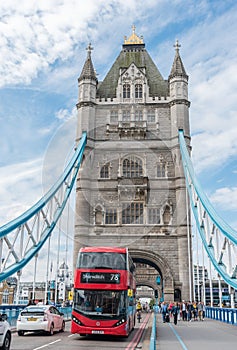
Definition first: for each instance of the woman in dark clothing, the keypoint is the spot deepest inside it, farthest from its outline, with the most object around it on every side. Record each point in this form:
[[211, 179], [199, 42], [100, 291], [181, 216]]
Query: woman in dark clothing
[[175, 310]]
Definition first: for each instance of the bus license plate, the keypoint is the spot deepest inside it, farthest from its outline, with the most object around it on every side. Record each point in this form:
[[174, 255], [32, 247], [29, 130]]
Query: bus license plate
[[97, 332]]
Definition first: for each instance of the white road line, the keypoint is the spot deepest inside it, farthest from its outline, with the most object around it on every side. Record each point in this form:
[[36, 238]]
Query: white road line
[[43, 346]]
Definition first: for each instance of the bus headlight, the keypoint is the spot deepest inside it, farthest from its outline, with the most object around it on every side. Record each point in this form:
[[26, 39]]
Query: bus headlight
[[74, 319], [120, 322]]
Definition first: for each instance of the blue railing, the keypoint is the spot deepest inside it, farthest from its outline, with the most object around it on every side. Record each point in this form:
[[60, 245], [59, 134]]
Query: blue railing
[[13, 311], [153, 334], [227, 315]]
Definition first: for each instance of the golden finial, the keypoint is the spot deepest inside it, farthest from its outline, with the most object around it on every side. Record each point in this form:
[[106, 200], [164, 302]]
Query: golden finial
[[134, 38]]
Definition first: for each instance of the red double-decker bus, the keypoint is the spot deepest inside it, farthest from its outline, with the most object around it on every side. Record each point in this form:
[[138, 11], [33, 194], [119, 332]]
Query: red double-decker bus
[[104, 300]]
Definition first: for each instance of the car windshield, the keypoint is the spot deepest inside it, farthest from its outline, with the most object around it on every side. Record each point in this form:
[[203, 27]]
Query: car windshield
[[100, 303]]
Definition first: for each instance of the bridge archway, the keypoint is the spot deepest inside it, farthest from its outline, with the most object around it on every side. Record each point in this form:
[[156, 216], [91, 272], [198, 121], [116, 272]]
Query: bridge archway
[[165, 289]]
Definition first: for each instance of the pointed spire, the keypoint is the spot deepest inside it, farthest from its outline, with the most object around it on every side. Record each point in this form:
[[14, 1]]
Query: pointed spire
[[88, 71], [177, 67]]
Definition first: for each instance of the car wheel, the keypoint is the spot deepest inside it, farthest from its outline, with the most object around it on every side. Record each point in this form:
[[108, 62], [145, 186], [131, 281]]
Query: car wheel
[[51, 329], [20, 333], [7, 342], [63, 327]]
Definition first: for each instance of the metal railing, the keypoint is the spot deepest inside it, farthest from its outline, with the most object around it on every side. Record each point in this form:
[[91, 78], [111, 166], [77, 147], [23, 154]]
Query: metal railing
[[153, 334], [227, 315]]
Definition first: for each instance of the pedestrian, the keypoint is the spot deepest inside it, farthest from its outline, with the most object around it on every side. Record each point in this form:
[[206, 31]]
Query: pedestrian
[[200, 311], [195, 311], [184, 310], [203, 311], [190, 311], [175, 311], [164, 310]]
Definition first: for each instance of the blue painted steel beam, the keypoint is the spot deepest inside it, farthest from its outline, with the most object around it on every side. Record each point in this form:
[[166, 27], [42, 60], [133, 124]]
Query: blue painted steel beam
[[224, 228], [227, 230]]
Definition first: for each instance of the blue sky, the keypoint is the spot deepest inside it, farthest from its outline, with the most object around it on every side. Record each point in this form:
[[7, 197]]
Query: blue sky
[[42, 51]]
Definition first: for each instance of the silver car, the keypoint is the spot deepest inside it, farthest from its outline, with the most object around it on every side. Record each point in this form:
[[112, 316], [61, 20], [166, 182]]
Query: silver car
[[36, 318], [5, 333]]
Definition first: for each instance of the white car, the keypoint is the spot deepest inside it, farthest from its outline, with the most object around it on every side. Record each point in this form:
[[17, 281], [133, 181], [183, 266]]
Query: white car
[[36, 318], [5, 333]]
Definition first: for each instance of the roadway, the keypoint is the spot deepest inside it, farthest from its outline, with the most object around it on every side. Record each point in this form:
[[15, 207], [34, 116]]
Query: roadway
[[68, 341]]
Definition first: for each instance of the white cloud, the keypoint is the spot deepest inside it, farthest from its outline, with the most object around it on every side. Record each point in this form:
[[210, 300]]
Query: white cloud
[[20, 186], [225, 198]]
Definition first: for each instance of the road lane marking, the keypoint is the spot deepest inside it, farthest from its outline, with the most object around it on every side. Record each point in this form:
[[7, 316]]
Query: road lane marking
[[44, 346], [178, 337], [136, 338]]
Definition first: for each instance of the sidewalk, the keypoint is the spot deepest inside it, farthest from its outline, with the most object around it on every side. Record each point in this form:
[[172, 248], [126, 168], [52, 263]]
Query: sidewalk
[[195, 335]]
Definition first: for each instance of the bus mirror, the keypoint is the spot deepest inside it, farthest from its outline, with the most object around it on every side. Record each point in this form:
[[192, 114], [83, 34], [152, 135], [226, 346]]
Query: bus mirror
[[130, 292]]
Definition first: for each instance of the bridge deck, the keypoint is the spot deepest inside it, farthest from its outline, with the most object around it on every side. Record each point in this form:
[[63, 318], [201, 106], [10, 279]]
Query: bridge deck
[[195, 335]]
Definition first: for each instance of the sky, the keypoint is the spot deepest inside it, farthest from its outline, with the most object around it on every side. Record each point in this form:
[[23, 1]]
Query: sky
[[42, 52]]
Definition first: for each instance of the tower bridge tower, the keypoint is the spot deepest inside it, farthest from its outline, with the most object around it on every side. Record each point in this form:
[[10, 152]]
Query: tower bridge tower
[[131, 188]]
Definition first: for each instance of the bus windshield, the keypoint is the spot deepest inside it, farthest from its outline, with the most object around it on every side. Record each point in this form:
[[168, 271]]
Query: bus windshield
[[102, 260], [100, 304]]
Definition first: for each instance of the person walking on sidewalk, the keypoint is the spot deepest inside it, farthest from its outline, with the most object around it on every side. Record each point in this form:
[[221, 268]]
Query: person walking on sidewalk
[[164, 310], [175, 310], [200, 311]]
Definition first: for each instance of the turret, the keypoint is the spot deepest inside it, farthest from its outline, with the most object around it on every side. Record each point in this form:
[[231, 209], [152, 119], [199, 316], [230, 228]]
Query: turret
[[87, 83], [178, 87]]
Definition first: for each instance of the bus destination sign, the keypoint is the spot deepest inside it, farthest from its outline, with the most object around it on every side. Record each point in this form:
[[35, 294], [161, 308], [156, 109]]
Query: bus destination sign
[[100, 277]]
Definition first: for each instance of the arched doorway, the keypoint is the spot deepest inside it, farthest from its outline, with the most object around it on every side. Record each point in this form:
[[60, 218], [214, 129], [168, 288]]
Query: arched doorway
[[154, 261]]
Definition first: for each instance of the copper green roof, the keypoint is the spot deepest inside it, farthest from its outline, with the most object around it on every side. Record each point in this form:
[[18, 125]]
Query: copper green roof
[[138, 55]]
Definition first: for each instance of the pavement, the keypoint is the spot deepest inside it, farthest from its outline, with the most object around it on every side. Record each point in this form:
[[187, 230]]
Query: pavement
[[206, 335]]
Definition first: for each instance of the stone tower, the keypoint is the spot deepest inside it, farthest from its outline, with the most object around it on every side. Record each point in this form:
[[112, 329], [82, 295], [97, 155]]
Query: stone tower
[[131, 188]]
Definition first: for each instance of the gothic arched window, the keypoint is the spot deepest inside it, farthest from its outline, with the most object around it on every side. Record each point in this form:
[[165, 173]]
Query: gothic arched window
[[104, 171], [154, 216], [126, 115], [132, 167], [138, 116], [126, 91], [151, 117], [113, 117], [138, 91], [132, 213], [111, 216]]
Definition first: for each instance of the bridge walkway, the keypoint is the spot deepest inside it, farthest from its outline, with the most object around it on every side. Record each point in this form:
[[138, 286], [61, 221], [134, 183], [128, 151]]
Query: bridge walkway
[[206, 335]]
